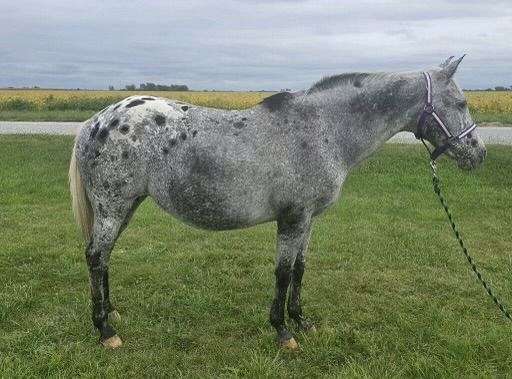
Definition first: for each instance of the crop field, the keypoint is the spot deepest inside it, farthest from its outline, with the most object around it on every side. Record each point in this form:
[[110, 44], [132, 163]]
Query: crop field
[[57, 105], [386, 285]]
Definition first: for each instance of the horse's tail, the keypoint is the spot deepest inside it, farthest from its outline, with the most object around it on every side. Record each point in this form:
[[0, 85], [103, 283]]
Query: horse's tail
[[82, 209]]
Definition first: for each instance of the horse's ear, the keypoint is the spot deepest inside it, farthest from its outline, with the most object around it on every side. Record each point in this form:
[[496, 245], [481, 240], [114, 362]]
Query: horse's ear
[[449, 68], [446, 62]]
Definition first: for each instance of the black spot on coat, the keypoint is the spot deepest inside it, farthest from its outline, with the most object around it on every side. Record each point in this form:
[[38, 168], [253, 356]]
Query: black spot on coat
[[94, 130], [124, 129], [134, 103], [160, 120], [239, 124], [184, 108], [114, 123], [148, 98], [102, 135], [183, 136], [194, 133], [124, 155]]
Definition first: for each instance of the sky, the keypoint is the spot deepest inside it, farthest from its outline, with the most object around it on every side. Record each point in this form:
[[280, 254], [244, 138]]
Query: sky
[[247, 44]]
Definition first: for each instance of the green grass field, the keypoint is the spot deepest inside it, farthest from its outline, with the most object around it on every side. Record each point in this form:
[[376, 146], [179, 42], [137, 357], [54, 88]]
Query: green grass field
[[389, 291]]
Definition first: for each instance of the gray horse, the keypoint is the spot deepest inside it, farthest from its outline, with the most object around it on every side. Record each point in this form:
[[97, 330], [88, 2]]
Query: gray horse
[[283, 160]]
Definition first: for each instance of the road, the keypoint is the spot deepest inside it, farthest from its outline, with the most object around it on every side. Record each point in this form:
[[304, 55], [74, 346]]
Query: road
[[490, 135]]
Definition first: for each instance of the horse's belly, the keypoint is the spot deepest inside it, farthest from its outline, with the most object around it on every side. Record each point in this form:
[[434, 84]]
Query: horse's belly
[[209, 211], [213, 204]]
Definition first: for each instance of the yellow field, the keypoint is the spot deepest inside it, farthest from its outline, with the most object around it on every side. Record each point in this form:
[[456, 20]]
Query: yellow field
[[490, 101], [41, 100]]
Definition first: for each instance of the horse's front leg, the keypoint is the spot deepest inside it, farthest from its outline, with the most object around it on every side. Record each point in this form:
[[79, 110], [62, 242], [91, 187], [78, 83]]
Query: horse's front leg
[[294, 300], [293, 231]]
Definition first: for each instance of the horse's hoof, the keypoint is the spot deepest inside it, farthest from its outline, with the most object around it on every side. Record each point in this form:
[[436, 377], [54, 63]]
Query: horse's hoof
[[112, 342], [114, 316], [290, 344]]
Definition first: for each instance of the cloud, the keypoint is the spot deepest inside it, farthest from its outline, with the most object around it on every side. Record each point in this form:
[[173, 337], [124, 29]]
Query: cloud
[[246, 44]]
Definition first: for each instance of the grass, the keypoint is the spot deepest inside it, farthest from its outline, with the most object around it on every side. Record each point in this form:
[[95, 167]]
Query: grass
[[386, 285], [504, 118]]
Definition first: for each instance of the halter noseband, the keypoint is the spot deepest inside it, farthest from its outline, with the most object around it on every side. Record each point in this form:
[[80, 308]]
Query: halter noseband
[[428, 111]]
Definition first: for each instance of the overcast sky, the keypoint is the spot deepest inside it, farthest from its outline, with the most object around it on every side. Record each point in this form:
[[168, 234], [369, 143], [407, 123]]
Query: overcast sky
[[247, 44]]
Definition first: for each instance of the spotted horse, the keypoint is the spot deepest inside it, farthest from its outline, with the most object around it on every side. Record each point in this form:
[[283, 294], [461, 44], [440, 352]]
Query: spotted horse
[[283, 160]]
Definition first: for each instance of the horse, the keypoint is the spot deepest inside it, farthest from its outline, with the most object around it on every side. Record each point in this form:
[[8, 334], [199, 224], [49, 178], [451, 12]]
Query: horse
[[283, 160]]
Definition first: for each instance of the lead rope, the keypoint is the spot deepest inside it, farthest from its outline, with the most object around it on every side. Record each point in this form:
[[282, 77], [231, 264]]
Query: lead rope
[[437, 189]]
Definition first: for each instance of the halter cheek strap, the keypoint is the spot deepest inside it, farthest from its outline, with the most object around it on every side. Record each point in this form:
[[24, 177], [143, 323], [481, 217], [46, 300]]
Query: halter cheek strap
[[428, 111]]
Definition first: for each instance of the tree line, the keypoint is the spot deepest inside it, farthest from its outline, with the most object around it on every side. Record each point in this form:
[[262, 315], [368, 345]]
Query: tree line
[[153, 87]]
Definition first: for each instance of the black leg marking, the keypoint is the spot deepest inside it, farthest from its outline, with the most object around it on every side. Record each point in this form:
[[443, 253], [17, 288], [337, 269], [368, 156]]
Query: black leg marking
[[282, 274], [97, 256], [105, 233], [293, 230]]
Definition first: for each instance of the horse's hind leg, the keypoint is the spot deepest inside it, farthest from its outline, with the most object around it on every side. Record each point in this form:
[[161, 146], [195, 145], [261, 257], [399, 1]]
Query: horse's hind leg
[[106, 230], [293, 232], [113, 314]]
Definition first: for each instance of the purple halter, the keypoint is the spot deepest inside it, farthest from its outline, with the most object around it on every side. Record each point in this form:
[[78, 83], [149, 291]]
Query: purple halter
[[428, 111]]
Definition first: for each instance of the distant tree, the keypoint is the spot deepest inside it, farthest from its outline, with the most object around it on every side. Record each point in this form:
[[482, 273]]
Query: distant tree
[[148, 86], [500, 88], [111, 88]]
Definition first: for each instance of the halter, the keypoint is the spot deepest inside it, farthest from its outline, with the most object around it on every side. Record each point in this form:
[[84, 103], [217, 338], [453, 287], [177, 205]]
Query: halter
[[428, 111]]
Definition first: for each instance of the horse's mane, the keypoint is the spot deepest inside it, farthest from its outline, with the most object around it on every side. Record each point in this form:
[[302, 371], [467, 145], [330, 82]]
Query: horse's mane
[[352, 78], [356, 79]]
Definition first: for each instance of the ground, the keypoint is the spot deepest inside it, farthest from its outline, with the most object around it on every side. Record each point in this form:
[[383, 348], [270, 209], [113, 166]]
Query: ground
[[389, 291]]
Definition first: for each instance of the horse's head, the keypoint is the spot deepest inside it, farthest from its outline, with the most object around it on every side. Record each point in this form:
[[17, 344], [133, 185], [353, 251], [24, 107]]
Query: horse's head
[[447, 124]]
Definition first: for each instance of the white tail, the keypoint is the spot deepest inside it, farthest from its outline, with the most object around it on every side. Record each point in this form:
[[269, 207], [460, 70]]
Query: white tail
[[82, 209]]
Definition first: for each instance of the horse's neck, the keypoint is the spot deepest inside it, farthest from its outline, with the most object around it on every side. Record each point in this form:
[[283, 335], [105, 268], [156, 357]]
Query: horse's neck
[[361, 120]]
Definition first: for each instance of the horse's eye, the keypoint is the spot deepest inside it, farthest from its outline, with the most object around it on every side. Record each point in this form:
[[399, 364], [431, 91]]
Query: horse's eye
[[462, 104]]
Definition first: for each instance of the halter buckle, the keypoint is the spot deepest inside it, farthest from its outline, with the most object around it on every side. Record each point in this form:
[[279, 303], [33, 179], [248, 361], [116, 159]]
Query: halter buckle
[[428, 108]]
